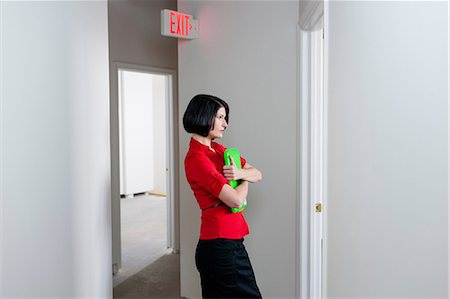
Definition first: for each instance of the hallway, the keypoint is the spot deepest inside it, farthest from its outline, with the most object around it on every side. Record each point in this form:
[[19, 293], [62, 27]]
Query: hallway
[[382, 205], [149, 269]]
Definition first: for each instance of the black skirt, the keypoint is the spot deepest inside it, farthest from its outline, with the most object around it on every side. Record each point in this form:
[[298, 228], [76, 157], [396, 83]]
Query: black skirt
[[225, 269]]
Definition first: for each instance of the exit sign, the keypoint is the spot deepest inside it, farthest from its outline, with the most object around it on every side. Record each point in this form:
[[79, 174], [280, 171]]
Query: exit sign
[[178, 24]]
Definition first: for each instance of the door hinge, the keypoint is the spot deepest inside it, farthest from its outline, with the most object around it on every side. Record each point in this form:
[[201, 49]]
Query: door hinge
[[318, 208]]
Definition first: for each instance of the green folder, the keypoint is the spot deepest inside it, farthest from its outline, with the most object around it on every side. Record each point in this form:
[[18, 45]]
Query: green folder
[[234, 152]]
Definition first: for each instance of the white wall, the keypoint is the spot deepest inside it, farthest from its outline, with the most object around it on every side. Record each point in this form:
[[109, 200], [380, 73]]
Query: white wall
[[246, 54], [388, 179], [143, 132], [160, 98], [136, 134], [55, 196]]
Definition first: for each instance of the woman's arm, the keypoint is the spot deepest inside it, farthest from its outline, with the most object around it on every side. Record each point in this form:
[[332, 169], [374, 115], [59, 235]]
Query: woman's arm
[[234, 198], [248, 173]]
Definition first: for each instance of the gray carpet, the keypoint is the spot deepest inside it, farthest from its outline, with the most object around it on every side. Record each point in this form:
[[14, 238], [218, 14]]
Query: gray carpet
[[159, 280], [149, 270]]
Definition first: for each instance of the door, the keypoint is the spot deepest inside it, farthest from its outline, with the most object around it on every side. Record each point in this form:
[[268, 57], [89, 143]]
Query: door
[[142, 163]]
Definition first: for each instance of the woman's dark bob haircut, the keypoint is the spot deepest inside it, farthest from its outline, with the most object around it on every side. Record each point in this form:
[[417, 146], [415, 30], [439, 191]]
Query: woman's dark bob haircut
[[200, 114]]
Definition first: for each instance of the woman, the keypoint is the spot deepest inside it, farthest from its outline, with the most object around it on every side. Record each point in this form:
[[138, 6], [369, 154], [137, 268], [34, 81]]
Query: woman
[[221, 258]]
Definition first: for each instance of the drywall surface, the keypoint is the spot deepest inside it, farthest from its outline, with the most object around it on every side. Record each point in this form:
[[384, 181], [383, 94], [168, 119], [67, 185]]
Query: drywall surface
[[137, 139], [55, 189], [160, 98], [246, 55], [135, 33], [387, 150]]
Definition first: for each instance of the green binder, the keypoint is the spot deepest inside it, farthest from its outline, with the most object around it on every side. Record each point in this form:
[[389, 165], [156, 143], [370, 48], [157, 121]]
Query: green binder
[[234, 152]]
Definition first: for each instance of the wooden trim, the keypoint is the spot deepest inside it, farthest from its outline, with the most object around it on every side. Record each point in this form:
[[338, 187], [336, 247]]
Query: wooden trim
[[303, 192], [325, 153], [310, 154], [317, 154], [156, 193]]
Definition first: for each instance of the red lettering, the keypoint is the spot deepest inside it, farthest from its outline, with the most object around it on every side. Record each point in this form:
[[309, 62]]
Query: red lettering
[[172, 30], [182, 24], [186, 23], [179, 24]]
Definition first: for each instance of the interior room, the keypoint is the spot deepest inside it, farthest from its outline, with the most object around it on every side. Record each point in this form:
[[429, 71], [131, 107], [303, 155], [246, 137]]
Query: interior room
[[342, 105]]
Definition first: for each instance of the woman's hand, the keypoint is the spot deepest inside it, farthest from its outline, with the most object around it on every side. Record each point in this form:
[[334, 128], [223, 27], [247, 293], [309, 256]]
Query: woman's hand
[[231, 172], [248, 173]]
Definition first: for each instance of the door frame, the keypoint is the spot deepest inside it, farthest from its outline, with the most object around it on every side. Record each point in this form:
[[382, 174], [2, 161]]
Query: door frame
[[325, 149], [311, 169], [173, 233]]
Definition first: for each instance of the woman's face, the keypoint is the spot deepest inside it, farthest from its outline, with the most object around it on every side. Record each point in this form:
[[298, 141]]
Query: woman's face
[[220, 124]]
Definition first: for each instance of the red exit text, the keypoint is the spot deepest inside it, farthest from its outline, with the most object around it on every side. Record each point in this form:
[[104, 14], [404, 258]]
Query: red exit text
[[180, 24]]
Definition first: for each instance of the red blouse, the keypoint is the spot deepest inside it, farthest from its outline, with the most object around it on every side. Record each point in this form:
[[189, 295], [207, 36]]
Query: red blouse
[[204, 174]]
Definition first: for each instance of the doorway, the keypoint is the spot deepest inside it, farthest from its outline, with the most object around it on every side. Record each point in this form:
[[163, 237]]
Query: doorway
[[143, 202]]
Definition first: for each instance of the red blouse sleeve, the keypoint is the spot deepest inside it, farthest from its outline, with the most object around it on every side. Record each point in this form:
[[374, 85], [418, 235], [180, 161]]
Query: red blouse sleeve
[[202, 171], [243, 161]]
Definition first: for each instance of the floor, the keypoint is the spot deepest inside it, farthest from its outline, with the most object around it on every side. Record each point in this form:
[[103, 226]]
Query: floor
[[149, 269]]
